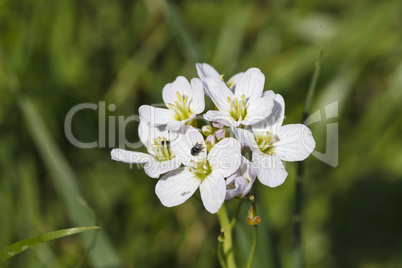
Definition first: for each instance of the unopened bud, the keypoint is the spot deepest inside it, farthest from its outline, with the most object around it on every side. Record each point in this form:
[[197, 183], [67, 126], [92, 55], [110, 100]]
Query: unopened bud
[[221, 134], [252, 218], [217, 125], [210, 142], [207, 130]]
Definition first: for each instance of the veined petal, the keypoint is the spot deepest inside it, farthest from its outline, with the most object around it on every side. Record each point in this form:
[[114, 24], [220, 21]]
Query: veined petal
[[176, 187], [205, 70], [156, 116], [246, 137], [248, 172], [218, 92], [130, 157], [213, 191], [155, 168], [251, 85], [236, 187], [258, 110], [295, 142], [274, 121], [197, 102], [236, 78], [270, 169], [220, 117], [225, 156], [186, 139], [180, 85]]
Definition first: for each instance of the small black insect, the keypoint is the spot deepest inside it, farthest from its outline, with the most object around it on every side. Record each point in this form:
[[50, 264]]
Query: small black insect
[[197, 149]]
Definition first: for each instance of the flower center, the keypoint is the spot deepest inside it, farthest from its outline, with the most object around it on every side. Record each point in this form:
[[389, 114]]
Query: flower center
[[181, 107], [161, 148], [201, 169], [265, 142], [238, 109]]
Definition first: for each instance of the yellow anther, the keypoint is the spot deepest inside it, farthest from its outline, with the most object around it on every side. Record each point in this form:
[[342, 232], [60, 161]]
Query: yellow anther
[[230, 83], [222, 77], [266, 142], [179, 96]]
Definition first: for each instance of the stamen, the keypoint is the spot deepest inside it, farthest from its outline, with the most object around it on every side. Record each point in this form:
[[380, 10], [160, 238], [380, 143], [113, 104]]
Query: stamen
[[230, 83], [161, 149], [266, 141], [200, 169], [238, 109], [181, 107]]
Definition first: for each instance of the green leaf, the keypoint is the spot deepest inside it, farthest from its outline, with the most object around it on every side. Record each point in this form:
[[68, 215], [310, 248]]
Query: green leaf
[[20, 246]]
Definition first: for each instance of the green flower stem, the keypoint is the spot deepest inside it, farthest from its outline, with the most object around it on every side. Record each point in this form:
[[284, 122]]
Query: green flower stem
[[221, 258], [232, 223], [253, 247], [228, 241], [298, 258]]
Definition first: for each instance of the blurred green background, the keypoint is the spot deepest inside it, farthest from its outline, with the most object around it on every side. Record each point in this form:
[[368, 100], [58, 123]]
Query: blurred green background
[[57, 54]]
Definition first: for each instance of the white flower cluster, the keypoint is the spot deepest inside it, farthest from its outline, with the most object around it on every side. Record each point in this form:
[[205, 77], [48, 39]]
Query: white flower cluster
[[222, 167]]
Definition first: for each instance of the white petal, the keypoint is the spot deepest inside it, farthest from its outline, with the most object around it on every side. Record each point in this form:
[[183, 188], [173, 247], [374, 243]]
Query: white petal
[[258, 110], [246, 137], [176, 187], [270, 170], [186, 139], [147, 133], [219, 93], [278, 111], [225, 156], [251, 85], [248, 172], [220, 117], [274, 121], [130, 157], [180, 85], [156, 116], [205, 70], [295, 142], [176, 125], [240, 185], [155, 168], [236, 78], [268, 93], [144, 133], [213, 191], [197, 101]]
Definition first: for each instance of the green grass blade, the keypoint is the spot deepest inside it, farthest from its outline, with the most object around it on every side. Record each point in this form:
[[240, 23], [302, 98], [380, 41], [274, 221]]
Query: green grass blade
[[66, 183], [23, 245]]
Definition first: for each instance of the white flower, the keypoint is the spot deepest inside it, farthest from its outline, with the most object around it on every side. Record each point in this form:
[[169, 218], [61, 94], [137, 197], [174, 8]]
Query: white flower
[[204, 171], [205, 70], [271, 143], [184, 101], [240, 183], [246, 105], [160, 158]]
